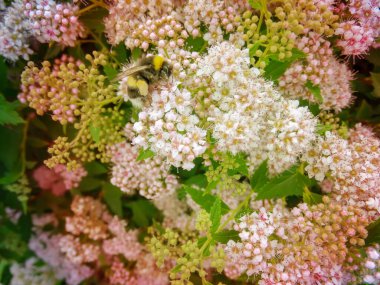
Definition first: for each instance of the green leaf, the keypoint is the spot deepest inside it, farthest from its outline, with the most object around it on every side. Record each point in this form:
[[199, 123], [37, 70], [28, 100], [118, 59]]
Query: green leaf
[[243, 167], [215, 215], [206, 201], [121, 52], [199, 180], [136, 53], [93, 19], [8, 113], [373, 233], [315, 90], [296, 55], [95, 133], [260, 177], [113, 196], [243, 212], [254, 48], [11, 153], [196, 44], [144, 154], [211, 186], [311, 198], [53, 50], [95, 168], [313, 107], [143, 212], [110, 72], [322, 129], [275, 69], [89, 184], [225, 236], [4, 82], [176, 268], [3, 265], [289, 183], [255, 4], [376, 84], [201, 241], [36, 142]]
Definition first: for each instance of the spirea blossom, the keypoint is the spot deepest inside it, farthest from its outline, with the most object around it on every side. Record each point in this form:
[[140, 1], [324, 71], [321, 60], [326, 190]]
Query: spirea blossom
[[45, 244], [32, 273], [304, 245], [370, 268], [322, 70], [52, 88], [50, 21], [176, 212], [44, 20], [123, 242], [359, 32], [356, 39], [150, 177], [59, 179], [246, 113], [105, 234], [170, 128], [14, 33], [120, 275], [127, 19], [351, 167]]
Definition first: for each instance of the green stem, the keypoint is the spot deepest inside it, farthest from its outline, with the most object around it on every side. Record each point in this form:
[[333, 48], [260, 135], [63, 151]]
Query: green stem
[[23, 145], [230, 218], [89, 7]]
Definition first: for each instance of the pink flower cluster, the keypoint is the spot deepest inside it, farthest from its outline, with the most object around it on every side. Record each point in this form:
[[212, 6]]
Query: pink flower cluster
[[93, 232], [59, 179], [359, 33], [322, 70], [45, 245], [351, 167], [307, 245], [105, 233], [45, 20], [50, 21], [150, 177], [168, 25], [52, 88]]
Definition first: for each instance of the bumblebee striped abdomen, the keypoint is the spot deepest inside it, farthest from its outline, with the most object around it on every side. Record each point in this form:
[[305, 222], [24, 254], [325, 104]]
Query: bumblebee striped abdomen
[[148, 70]]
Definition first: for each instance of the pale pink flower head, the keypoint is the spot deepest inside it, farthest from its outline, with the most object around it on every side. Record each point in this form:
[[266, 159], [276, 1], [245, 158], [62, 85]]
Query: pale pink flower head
[[48, 180], [59, 179]]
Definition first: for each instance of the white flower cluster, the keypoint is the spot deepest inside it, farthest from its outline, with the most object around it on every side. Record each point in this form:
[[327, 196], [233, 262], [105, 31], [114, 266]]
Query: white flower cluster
[[32, 273], [175, 212], [371, 265], [246, 113], [255, 248], [170, 128], [351, 167], [150, 177], [14, 33]]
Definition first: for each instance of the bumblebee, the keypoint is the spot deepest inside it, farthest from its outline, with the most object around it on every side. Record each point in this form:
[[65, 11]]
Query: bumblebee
[[148, 70]]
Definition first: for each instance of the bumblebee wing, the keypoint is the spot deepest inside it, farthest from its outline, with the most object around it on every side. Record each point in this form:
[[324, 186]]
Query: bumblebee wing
[[132, 70]]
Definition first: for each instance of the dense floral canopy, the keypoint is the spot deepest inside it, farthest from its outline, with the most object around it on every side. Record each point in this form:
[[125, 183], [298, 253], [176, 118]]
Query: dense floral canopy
[[155, 142]]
